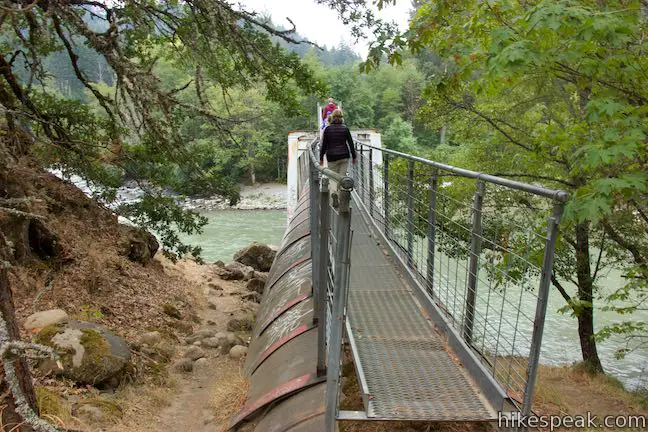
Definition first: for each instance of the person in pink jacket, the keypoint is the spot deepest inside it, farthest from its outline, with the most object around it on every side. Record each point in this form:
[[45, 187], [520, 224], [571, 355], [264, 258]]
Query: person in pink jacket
[[327, 111]]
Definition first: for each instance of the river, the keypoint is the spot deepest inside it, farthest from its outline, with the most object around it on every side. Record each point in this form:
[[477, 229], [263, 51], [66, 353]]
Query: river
[[229, 231]]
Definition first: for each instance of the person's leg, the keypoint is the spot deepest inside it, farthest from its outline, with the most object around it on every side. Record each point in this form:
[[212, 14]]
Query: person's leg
[[340, 167], [334, 166]]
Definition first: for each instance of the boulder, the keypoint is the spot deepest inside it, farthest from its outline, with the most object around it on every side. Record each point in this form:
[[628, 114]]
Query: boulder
[[261, 275], [89, 353], [194, 353], [141, 246], [46, 318], [248, 272], [229, 274], [97, 410], [238, 351], [257, 255], [211, 342], [226, 341], [255, 285], [200, 335], [215, 287], [172, 311], [201, 365], [233, 339], [253, 297]]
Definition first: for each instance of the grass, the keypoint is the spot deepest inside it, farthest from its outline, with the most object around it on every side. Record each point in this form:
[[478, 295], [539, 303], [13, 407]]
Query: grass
[[229, 396], [53, 407], [139, 404], [571, 390]]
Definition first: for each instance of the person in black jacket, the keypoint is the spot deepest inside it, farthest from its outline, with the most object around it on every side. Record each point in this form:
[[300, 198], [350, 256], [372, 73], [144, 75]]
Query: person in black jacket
[[337, 145]]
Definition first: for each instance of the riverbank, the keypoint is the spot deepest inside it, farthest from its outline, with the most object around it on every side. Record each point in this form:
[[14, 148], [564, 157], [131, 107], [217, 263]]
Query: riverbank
[[260, 196], [266, 196]]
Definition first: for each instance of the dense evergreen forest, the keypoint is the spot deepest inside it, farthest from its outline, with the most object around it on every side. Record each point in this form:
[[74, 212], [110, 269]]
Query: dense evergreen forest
[[197, 97]]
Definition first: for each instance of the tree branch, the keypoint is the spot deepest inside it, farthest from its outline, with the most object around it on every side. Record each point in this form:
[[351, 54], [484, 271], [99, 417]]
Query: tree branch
[[600, 255], [560, 288], [630, 247]]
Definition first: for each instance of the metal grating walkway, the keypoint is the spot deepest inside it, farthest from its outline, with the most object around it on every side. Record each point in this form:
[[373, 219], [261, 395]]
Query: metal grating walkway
[[406, 369]]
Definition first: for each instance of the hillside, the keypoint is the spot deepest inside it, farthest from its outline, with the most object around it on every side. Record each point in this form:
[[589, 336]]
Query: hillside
[[77, 257], [70, 253]]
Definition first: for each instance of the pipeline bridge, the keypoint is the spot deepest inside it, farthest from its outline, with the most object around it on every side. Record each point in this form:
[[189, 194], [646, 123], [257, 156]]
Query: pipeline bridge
[[431, 280]]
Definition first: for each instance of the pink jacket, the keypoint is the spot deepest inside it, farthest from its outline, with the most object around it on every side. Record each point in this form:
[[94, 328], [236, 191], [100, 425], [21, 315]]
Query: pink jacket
[[327, 110]]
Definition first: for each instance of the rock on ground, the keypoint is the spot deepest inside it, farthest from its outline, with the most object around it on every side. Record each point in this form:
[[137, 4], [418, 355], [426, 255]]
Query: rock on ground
[[238, 351], [151, 338], [183, 365], [255, 285], [141, 247], [248, 271], [91, 354], [257, 255], [229, 274], [46, 318], [194, 353], [201, 365]]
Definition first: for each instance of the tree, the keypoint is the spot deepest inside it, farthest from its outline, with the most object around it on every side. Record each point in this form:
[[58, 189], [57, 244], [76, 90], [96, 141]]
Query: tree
[[551, 91], [137, 129], [140, 122], [398, 136]]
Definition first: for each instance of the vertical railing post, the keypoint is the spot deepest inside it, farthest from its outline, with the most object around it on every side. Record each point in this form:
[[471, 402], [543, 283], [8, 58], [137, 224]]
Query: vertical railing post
[[541, 307], [314, 229], [473, 265], [410, 213], [371, 183], [386, 192], [362, 174], [338, 318], [320, 267], [431, 234]]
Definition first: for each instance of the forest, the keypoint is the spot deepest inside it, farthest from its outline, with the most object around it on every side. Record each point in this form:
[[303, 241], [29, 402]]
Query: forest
[[198, 97]]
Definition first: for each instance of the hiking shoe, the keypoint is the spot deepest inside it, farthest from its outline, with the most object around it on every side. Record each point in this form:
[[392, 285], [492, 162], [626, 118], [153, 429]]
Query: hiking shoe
[[336, 201]]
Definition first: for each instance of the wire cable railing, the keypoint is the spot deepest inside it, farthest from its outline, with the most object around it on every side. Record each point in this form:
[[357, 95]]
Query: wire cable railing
[[480, 246]]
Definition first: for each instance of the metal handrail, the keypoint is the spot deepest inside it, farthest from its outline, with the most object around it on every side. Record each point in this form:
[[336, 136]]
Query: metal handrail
[[345, 181], [330, 243], [557, 194], [466, 293]]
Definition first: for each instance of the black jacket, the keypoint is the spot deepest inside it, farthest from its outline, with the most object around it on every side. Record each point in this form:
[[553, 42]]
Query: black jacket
[[336, 143]]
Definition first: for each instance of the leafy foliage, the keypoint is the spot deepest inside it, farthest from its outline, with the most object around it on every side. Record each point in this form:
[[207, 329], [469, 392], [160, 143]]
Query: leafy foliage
[[143, 91], [551, 91]]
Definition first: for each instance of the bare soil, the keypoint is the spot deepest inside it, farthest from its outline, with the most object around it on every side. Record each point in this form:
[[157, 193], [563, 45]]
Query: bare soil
[[205, 399]]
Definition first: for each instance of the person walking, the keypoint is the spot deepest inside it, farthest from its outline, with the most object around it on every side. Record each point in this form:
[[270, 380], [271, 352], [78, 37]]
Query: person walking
[[327, 111], [338, 147]]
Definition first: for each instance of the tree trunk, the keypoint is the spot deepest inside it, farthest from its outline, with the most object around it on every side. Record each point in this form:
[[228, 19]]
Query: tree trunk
[[586, 295], [250, 155], [10, 418], [444, 135]]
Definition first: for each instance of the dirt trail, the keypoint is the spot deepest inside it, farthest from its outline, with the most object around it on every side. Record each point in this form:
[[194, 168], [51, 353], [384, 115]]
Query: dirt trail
[[206, 398]]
